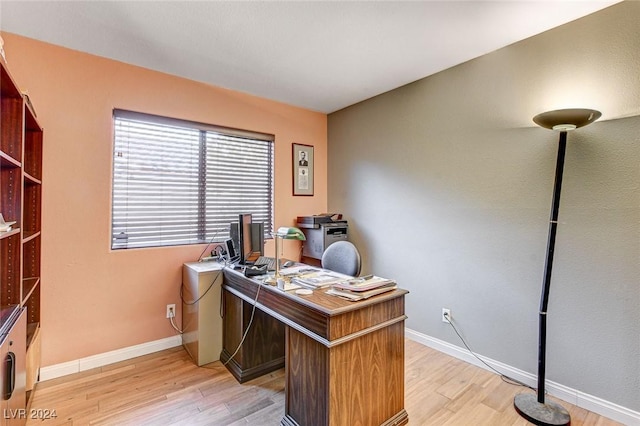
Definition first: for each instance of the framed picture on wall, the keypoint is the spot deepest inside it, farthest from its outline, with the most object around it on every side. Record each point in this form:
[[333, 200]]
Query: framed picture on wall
[[302, 169]]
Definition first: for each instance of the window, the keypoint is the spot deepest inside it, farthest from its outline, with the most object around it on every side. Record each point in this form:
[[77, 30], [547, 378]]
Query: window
[[180, 182]]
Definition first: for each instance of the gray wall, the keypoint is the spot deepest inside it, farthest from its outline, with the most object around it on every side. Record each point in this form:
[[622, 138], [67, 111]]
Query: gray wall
[[447, 184]]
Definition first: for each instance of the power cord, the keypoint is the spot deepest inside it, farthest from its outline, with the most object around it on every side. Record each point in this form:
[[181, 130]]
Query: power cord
[[185, 302], [209, 244], [504, 377], [203, 294], [253, 311], [173, 324], [244, 336]]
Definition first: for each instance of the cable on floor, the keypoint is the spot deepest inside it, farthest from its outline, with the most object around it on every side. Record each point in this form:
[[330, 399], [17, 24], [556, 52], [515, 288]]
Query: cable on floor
[[504, 377]]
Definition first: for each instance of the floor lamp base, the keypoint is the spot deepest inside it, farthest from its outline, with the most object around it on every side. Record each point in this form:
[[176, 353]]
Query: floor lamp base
[[549, 413]]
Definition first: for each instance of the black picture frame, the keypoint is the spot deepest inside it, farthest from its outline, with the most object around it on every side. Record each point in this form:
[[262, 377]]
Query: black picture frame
[[302, 158]]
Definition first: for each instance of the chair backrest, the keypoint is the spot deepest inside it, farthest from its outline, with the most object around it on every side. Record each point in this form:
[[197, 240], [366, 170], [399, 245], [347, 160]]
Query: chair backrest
[[343, 257]]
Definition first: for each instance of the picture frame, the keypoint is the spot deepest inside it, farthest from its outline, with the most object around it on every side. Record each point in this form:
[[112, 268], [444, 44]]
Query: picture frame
[[302, 158]]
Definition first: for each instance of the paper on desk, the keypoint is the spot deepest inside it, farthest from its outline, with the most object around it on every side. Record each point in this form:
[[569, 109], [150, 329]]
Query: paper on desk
[[319, 279], [364, 284], [355, 296], [290, 286], [297, 270]]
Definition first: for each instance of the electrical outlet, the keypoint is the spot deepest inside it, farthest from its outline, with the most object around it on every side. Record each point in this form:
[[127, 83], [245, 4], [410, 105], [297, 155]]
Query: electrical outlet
[[171, 310], [446, 315]]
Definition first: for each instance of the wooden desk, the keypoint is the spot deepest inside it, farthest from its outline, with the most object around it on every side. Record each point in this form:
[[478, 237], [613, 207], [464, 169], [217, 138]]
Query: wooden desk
[[344, 360]]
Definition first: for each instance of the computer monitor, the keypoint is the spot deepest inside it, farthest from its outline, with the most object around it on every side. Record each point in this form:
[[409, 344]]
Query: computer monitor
[[247, 237], [244, 236], [257, 238]]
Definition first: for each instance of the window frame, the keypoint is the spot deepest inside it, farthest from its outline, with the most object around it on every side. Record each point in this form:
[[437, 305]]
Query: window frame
[[212, 225]]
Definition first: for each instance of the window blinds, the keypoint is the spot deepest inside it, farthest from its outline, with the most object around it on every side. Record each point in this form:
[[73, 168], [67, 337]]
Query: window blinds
[[180, 182]]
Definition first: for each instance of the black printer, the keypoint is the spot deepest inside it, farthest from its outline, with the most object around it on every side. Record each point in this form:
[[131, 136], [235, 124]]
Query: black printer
[[321, 231], [317, 219]]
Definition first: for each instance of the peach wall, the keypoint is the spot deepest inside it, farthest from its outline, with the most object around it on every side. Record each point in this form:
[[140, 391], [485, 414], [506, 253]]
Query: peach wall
[[93, 299]]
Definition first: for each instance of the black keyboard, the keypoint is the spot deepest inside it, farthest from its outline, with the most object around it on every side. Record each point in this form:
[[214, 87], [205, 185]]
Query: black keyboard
[[264, 260]]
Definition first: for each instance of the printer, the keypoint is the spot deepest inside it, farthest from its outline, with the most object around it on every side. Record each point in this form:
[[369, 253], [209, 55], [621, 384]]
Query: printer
[[321, 231]]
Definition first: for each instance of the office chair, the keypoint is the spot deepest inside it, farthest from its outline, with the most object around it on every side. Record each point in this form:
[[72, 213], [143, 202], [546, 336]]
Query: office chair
[[343, 257]]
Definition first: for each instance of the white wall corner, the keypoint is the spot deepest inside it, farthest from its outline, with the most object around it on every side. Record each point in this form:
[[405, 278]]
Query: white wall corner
[[59, 370]]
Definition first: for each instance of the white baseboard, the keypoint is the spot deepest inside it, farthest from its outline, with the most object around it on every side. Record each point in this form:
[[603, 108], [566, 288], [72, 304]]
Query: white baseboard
[[565, 393], [572, 396], [94, 361]]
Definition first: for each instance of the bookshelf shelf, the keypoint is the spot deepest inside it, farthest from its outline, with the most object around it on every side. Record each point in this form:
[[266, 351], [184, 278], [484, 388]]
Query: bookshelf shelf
[[28, 286], [7, 234]]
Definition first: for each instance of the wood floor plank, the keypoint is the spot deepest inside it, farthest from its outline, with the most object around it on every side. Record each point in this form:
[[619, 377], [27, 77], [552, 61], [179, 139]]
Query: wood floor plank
[[167, 388]]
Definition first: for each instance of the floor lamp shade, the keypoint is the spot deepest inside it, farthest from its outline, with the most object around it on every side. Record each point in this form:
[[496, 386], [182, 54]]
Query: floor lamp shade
[[534, 408]]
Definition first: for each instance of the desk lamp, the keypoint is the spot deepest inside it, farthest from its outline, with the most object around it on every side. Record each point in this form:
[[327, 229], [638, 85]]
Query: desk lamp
[[286, 233], [538, 411]]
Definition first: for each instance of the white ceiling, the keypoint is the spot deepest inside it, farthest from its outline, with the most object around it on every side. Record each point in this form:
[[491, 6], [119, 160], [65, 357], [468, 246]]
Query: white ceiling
[[322, 56]]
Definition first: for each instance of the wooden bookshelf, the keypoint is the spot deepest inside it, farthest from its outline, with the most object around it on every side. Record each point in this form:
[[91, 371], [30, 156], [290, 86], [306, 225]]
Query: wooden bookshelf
[[21, 139]]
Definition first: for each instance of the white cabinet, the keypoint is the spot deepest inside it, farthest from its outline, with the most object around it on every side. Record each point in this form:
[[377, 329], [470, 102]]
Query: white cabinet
[[201, 314]]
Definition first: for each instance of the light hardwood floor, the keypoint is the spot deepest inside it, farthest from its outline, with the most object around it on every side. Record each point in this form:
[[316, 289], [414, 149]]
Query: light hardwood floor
[[166, 388]]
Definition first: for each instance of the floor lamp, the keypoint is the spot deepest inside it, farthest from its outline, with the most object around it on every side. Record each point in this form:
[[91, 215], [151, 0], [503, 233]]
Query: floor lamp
[[534, 408]]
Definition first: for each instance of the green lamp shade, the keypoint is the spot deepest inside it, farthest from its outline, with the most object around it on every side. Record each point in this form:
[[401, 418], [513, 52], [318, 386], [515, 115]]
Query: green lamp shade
[[290, 233]]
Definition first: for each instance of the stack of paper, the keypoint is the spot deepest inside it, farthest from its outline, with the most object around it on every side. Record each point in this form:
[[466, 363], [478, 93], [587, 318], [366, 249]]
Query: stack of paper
[[362, 288], [294, 271], [319, 279]]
